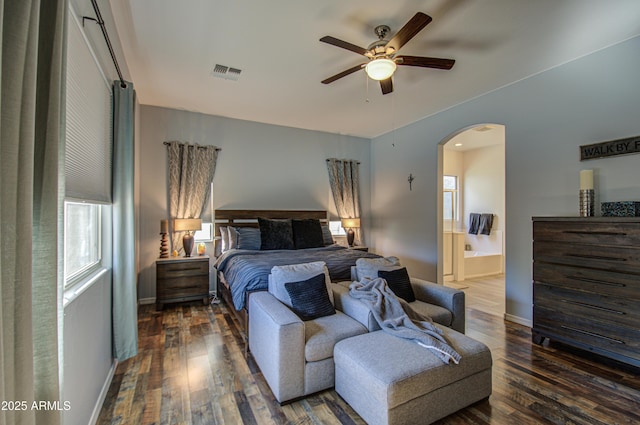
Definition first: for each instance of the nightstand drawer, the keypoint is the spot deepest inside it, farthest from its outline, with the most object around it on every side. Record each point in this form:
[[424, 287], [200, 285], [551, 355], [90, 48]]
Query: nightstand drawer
[[182, 269]]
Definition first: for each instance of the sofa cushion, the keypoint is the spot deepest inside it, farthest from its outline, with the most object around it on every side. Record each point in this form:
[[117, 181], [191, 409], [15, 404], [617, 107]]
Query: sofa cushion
[[296, 273], [399, 282], [367, 268], [322, 334], [309, 298], [438, 314]]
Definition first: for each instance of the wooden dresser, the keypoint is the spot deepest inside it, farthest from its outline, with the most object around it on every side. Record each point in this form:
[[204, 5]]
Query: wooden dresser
[[586, 284], [182, 279]]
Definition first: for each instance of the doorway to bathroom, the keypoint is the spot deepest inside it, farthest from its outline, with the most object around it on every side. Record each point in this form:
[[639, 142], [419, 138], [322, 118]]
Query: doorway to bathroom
[[472, 171]]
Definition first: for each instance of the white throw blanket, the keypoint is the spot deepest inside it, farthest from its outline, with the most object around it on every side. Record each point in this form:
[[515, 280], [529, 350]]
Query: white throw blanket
[[396, 317]]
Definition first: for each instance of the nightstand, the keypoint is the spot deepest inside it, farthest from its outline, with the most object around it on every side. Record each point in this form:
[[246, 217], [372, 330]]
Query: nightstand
[[182, 279]]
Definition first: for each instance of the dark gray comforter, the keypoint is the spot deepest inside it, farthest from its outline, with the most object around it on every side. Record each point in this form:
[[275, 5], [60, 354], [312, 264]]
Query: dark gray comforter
[[248, 270]]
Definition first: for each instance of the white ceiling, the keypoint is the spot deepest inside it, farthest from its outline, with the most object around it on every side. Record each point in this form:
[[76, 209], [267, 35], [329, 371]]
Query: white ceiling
[[172, 46]]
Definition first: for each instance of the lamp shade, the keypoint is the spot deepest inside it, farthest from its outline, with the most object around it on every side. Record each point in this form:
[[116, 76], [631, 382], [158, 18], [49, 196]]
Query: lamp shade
[[186, 224], [164, 226], [350, 223], [380, 69]]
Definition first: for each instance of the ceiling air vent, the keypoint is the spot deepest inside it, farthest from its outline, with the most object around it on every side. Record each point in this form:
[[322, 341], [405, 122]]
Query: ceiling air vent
[[226, 72]]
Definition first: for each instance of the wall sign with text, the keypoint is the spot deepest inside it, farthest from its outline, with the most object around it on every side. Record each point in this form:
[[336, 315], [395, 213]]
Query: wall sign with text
[[611, 148]]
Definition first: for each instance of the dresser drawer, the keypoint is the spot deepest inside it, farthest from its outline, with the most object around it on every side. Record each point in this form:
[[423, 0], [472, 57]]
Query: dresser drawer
[[616, 310], [613, 258], [583, 232], [588, 280], [587, 331]]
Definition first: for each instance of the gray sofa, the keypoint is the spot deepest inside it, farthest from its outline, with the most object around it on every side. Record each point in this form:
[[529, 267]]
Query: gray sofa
[[444, 305], [296, 357]]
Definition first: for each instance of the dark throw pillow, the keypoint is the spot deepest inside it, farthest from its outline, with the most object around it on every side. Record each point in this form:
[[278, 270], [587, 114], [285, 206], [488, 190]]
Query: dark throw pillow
[[309, 298], [275, 234], [399, 282], [307, 233]]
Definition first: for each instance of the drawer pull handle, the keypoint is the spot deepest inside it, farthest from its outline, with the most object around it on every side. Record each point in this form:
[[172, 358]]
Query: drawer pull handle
[[587, 232], [184, 269], [617, 341], [600, 282], [595, 307], [595, 257]]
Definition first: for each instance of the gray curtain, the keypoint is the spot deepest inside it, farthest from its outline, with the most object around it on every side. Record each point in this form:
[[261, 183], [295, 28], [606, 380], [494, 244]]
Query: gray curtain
[[125, 311], [344, 180], [31, 206], [191, 170]]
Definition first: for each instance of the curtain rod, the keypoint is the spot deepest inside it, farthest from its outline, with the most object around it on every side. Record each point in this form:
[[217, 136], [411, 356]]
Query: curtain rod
[[98, 19], [342, 160], [200, 146]]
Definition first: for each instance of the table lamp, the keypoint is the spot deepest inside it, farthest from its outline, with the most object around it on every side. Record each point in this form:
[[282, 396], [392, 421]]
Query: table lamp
[[187, 225], [349, 224]]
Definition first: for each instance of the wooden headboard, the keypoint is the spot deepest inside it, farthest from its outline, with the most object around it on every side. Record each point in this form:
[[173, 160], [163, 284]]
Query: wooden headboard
[[249, 218]]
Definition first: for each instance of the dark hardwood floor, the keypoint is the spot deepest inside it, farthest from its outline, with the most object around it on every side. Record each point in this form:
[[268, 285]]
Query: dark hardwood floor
[[191, 370]]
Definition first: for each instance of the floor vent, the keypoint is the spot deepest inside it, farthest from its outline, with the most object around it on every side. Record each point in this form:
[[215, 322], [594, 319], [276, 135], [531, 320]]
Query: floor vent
[[226, 72]]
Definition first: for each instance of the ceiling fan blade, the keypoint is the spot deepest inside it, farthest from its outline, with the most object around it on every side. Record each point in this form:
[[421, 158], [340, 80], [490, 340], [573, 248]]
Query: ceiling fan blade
[[345, 45], [386, 86], [342, 74], [410, 29], [425, 62]]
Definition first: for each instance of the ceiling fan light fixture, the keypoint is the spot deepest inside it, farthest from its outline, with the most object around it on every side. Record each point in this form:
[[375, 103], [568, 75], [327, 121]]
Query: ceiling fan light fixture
[[380, 69]]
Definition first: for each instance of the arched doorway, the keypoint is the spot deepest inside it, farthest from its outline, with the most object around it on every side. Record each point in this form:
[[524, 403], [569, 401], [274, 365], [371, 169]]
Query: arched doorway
[[472, 208]]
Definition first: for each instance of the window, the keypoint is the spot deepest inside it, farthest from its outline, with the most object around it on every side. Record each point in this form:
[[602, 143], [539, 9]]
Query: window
[[82, 229], [205, 234], [335, 227], [450, 193]]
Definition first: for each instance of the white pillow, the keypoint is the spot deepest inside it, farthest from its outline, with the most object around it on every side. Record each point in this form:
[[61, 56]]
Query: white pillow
[[296, 273], [233, 237], [224, 237], [367, 268]]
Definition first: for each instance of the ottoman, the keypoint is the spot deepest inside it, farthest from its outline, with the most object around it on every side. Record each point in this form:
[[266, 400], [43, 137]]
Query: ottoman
[[389, 380]]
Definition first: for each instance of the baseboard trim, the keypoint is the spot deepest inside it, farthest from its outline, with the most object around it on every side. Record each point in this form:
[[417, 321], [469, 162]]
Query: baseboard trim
[[103, 393], [519, 320], [143, 301]]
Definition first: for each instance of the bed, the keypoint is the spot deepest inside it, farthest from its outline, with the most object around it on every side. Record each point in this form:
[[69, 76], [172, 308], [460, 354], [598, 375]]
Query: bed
[[242, 271]]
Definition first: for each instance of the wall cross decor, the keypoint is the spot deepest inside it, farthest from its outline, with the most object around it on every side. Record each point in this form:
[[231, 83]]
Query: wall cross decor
[[410, 180]]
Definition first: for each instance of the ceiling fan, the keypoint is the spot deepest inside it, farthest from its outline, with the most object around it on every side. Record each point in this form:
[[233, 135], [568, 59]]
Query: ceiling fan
[[382, 54]]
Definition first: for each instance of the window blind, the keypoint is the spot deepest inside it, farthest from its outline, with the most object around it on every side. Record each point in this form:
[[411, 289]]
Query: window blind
[[88, 122]]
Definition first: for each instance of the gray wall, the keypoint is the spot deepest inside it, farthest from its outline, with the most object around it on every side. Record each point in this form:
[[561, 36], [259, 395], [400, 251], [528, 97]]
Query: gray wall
[[88, 360], [261, 166], [547, 117]]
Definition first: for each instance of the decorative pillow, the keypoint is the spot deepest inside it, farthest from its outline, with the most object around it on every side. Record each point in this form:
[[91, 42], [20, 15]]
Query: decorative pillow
[[224, 238], [307, 233], [276, 234], [399, 282], [327, 237], [233, 237], [367, 268], [248, 238], [296, 273], [309, 298]]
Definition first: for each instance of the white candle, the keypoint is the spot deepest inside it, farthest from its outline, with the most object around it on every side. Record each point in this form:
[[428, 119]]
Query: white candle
[[586, 179]]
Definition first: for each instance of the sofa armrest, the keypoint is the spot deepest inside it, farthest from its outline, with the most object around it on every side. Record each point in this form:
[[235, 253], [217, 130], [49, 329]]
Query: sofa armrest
[[443, 296], [277, 341], [353, 307]]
